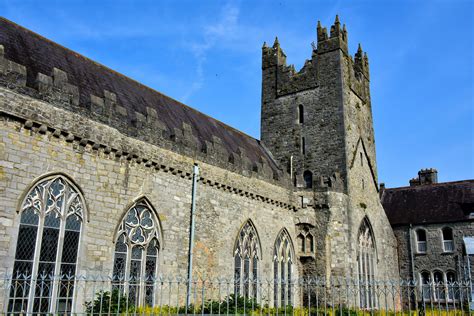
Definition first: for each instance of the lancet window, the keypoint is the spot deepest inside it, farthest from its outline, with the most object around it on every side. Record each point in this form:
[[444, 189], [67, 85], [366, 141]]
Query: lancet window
[[136, 254], [51, 220], [283, 260], [246, 261], [366, 266]]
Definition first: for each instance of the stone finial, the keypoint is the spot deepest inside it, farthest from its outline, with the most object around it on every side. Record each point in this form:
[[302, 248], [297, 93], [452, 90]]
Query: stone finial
[[276, 44], [264, 45], [322, 33], [336, 27]]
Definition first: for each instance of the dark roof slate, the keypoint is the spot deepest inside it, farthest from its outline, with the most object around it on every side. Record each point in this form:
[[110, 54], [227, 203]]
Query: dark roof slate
[[40, 55], [429, 204]]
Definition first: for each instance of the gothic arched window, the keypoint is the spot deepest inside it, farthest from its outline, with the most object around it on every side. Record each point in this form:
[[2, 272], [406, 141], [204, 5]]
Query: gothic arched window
[[246, 257], [366, 265], [283, 259], [136, 253], [51, 219]]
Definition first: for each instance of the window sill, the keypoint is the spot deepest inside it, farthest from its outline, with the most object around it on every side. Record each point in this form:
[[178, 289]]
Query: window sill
[[306, 255]]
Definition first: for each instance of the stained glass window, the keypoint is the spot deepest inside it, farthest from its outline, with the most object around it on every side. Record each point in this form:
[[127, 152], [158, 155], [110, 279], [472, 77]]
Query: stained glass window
[[48, 239], [136, 254], [283, 254], [246, 257]]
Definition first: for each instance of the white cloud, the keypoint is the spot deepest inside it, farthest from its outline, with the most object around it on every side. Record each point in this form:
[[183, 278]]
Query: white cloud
[[213, 33]]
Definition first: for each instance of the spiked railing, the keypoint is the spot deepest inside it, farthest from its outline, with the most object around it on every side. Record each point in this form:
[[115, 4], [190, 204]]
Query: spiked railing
[[166, 295]]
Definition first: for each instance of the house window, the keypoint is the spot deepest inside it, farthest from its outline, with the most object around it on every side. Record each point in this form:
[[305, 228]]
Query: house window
[[300, 114], [283, 259], [420, 240], [246, 260], [448, 243], [136, 254], [439, 289], [452, 285], [366, 266], [46, 253], [308, 179], [425, 285]]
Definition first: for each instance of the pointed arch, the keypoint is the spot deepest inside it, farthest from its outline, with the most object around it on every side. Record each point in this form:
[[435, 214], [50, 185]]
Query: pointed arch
[[248, 224], [52, 176], [145, 201], [283, 263], [138, 244], [52, 212], [366, 264], [247, 255]]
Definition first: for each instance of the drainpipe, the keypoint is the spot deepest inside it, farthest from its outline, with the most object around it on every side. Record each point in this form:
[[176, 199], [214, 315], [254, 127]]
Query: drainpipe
[[412, 263], [191, 235]]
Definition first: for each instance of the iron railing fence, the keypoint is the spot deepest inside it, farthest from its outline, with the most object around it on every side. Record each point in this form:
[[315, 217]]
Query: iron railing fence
[[103, 295]]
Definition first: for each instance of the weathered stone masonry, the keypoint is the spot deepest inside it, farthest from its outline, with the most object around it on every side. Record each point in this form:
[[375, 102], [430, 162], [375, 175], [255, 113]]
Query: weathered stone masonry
[[118, 141]]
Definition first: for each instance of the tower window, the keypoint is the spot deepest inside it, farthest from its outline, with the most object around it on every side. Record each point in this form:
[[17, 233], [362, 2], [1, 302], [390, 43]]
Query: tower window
[[300, 114], [308, 179], [303, 146]]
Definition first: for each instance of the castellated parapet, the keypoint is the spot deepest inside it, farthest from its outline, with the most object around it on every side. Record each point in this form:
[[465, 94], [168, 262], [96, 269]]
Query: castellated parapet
[[143, 121]]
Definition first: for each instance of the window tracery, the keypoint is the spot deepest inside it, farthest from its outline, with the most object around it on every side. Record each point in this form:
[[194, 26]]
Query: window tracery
[[246, 260], [366, 266], [136, 253], [51, 220], [283, 259]]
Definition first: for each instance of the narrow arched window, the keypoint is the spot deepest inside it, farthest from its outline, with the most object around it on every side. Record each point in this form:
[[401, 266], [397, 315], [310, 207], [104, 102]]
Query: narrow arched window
[[452, 285], [448, 242], [366, 265], [305, 243], [438, 286], [426, 285], [246, 260], [421, 241], [136, 254], [303, 146], [301, 114], [283, 258], [46, 253], [308, 179]]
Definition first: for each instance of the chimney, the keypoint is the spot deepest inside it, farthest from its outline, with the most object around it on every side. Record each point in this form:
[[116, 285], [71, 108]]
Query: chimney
[[425, 176]]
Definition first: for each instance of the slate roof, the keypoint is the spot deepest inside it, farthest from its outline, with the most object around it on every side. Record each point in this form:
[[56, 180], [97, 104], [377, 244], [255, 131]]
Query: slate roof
[[39, 54], [430, 204]]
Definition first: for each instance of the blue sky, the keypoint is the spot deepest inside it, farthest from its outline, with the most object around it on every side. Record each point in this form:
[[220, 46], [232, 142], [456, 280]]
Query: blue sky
[[207, 54]]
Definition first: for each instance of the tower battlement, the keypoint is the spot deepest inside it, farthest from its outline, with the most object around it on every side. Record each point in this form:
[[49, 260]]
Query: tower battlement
[[284, 79]]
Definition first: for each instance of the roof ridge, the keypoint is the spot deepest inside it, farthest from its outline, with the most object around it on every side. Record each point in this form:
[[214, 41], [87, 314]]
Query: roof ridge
[[431, 185]]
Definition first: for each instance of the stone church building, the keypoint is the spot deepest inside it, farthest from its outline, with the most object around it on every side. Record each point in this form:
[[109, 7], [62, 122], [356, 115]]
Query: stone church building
[[96, 174]]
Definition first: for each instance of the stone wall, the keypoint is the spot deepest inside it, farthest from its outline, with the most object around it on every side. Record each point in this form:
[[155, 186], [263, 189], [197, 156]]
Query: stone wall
[[110, 182], [435, 257]]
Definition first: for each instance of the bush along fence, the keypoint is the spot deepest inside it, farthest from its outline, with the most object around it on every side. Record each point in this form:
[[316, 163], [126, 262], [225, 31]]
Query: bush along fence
[[103, 295]]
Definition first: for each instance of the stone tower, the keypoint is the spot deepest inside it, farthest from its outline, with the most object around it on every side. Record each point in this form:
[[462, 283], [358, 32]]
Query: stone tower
[[317, 123], [314, 120]]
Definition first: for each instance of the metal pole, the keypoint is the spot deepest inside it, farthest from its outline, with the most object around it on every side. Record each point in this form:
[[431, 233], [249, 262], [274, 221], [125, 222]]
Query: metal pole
[[191, 235]]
